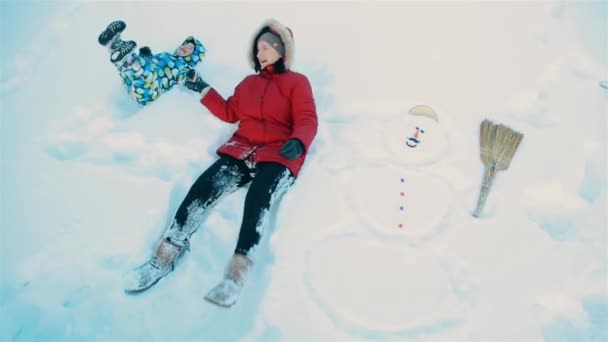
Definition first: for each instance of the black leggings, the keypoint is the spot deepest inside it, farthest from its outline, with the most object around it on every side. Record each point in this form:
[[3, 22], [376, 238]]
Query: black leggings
[[268, 181]]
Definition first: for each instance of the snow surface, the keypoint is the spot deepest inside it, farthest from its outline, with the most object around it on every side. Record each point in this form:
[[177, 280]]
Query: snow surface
[[90, 179]]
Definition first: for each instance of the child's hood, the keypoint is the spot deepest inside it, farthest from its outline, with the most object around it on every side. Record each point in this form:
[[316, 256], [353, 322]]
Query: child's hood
[[199, 51]]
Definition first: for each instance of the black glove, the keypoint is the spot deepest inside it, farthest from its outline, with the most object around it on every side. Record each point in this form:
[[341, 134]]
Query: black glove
[[194, 81], [292, 149]]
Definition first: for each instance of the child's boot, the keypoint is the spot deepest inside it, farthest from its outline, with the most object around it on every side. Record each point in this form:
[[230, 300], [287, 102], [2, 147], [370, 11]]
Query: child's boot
[[122, 51], [111, 32]]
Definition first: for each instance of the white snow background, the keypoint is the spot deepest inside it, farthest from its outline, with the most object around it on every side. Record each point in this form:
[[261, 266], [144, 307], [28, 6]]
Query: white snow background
[[89, 178]]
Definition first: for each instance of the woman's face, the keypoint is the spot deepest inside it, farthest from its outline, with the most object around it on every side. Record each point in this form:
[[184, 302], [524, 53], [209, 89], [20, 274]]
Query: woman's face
[[267, 55], [185, 50]]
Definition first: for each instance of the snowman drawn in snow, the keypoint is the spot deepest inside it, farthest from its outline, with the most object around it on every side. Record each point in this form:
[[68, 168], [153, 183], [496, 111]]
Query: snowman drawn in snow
[[403, 205], [404, 200]]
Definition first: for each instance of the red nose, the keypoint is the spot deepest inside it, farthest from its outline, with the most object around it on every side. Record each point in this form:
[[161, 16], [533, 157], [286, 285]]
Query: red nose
[[416, 134]]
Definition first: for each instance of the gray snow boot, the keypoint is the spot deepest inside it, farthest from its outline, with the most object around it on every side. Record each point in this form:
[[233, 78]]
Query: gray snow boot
[[227, 292], [148, 274]]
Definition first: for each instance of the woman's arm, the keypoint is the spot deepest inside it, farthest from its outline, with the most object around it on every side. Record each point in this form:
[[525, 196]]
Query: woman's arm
[[225, 110], [304, 113]]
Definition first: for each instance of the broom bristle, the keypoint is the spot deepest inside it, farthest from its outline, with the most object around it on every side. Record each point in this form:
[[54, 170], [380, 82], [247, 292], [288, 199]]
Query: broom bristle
[[486, 136], [505, 145], [498, 144]]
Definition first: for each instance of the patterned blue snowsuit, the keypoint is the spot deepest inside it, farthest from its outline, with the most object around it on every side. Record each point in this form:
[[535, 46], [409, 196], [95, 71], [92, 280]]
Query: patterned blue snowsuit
[[147, 77]]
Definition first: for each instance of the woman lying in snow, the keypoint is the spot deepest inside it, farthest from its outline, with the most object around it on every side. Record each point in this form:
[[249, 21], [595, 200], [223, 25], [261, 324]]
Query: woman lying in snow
[[277, 119], [147, 76]]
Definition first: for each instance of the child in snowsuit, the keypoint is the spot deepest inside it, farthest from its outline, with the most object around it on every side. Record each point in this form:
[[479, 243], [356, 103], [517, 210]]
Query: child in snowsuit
[[147, 76]]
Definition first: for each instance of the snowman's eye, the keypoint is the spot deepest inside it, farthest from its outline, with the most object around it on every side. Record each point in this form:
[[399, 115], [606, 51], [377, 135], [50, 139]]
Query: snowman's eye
[[421, 131]]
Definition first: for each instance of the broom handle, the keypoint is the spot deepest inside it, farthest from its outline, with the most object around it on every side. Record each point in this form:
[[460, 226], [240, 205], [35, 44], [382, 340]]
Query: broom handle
[[488, 180]]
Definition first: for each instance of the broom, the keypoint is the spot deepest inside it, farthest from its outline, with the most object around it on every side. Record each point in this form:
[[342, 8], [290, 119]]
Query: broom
[[498, 144]]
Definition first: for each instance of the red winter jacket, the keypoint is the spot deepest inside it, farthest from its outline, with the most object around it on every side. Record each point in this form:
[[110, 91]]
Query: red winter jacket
[[271, 108]]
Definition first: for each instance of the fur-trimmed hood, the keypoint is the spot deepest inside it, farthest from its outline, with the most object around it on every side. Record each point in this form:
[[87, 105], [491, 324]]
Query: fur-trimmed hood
[[286, 36]]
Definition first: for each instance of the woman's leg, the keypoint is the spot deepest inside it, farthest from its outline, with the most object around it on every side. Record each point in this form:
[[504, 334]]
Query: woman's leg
[[226, 175], [270, 182]]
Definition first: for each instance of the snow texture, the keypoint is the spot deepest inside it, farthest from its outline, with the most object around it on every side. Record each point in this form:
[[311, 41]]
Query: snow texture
[[90, 180]]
